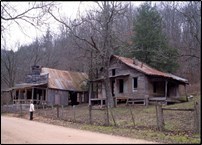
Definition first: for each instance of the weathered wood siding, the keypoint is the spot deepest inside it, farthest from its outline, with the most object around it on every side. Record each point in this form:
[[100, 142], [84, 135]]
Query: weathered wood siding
[[128, 91], [81, 97], [57, 97], [145, 83], [141, 90], [120, 68], [174, 90], [160, 88]]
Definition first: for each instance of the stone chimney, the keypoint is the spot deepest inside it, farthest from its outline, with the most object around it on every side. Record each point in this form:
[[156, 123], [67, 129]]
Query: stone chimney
[[36, 70]]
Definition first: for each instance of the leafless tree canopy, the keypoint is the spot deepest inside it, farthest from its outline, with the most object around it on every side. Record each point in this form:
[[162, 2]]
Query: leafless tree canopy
[[101, 32], [32, 13]]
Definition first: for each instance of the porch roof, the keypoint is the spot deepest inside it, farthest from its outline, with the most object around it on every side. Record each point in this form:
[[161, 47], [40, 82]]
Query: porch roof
[[101, 79], [26, 85], [120, 75]]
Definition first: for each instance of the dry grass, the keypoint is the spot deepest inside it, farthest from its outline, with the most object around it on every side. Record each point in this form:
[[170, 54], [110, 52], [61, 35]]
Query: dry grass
[[178, 125]]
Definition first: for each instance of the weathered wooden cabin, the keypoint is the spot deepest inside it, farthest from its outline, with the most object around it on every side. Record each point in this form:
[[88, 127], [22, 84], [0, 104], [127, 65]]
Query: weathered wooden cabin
[[134, 81], [51, 86]]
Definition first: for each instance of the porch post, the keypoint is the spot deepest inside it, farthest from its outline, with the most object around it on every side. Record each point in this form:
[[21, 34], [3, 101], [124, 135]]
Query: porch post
[[42, 96], [101, 102], [25, 95], [90, 93], [32, 93], [185, 87], [46, 97], [146, 93], [37, 98], [166, 88], [14, 97], [19, 97], [83, 97]]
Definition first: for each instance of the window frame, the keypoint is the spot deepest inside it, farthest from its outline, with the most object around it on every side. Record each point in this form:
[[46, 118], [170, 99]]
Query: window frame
[[113, 72], [133, 83], [122, 86]]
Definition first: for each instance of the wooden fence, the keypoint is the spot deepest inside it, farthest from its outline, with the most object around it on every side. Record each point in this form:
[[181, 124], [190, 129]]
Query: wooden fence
[[160, 116]]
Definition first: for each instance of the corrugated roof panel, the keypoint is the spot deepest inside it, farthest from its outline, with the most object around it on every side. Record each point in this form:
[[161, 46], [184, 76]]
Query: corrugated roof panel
[[178, 78], [65, 80], [59, 84]]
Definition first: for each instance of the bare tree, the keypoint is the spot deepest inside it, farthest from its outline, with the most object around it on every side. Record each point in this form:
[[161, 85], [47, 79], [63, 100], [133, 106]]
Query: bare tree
[[8, 68], [100, 37], [32, 13], [183, 28]]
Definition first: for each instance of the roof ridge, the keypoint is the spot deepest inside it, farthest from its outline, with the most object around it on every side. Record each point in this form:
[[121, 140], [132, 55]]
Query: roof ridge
[[140, 62], [62, 70], [148, 69]]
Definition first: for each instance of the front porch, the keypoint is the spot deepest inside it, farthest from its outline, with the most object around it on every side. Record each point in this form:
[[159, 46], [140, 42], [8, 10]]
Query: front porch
[[25, 93], [165, 90]]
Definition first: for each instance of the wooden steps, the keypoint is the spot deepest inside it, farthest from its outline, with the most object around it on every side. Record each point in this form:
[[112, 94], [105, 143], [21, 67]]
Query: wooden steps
[[139, 101]]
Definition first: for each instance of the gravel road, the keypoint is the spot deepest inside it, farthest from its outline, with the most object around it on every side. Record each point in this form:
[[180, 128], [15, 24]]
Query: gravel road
[[22, 131]]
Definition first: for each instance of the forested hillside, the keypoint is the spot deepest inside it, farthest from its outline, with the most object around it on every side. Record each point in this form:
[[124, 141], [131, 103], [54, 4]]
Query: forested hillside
[[166, 36]]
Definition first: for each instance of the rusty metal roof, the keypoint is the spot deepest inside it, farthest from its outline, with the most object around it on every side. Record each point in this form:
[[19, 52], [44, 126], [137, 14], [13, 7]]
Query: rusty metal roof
[[144, 68], [65, 80], [178, 78]]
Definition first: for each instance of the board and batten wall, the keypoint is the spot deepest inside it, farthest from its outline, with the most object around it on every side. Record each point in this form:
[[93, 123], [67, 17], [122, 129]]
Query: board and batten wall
[[55, 96]]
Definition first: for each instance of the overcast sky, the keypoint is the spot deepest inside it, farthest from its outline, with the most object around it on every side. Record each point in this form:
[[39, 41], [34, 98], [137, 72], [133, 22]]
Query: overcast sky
[[15, 37]]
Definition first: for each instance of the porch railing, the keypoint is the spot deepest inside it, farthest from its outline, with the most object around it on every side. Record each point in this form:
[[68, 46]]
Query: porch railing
[[27, 101]]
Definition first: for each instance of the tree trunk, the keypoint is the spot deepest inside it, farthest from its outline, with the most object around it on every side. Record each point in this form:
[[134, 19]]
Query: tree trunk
[[109, 97]]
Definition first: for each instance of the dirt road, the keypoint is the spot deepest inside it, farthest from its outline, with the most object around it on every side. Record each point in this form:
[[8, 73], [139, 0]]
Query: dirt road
[[16, 130]]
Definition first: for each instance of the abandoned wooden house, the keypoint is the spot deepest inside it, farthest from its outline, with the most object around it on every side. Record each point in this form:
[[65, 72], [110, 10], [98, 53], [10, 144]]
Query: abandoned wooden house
[[51, 86], [134, 81]]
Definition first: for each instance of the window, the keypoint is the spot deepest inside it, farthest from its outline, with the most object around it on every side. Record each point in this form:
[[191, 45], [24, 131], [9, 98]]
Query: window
[[154, 87], [121, 86], [113, 72], [134, 83]]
